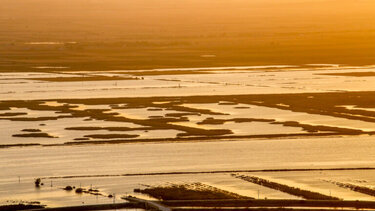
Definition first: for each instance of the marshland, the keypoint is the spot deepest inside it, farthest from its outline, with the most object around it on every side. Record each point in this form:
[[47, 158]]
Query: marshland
[[182, 105]]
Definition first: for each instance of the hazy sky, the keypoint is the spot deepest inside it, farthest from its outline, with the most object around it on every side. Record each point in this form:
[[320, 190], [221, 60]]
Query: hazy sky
[[189, 15], [314, 30]]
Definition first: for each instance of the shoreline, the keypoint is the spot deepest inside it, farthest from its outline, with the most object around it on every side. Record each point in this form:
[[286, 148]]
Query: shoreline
[[276, 137], [212, 172]]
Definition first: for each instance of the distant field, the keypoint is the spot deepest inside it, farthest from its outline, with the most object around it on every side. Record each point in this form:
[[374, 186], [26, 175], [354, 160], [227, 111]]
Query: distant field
[[98, 35]]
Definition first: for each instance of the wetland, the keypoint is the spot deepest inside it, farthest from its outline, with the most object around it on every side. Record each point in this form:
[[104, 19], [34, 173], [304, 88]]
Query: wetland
[[187, 104]]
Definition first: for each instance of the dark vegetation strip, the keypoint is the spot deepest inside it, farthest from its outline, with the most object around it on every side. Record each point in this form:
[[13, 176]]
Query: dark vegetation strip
[[213, 121], [24, 119], [85, 141], [109, 128], [230, 203], [13, 207], [256, 209], [356, 188], [197, 138], [110, 136], [79, 79], [182, 114], [209, 172], [306, 194], [7, 114], [353, 74], [34, 135], [31, 130], [19, 145], [95, 207]]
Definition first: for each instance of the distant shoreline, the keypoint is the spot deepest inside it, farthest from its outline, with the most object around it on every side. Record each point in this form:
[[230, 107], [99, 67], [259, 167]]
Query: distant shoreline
[[212, 172]]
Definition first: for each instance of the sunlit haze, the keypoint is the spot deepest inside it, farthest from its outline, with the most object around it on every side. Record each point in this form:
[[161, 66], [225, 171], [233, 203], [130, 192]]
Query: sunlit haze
[[187, 105]]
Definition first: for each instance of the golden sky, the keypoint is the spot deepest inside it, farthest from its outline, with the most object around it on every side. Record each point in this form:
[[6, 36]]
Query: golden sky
[[291, 27]]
